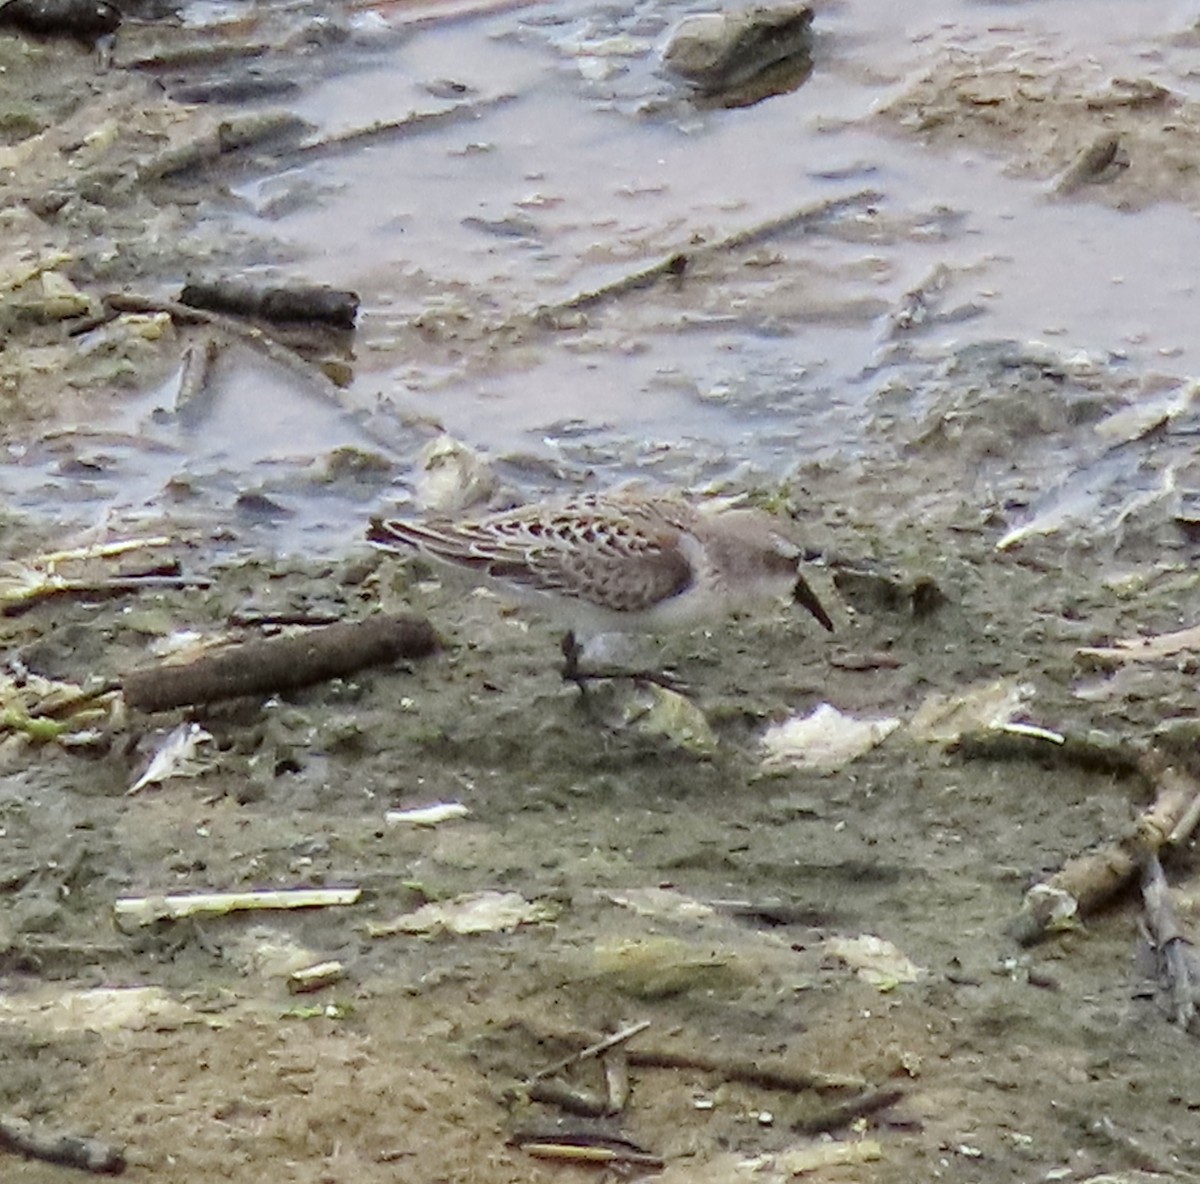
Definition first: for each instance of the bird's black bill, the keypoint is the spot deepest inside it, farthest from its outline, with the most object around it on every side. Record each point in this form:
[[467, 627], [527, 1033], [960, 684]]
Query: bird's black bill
[[802, 594]]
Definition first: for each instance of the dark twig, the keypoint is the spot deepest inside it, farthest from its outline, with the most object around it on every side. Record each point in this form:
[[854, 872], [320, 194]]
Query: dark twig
[[566, 1097], [1178, 964], [269, 665], [845, 1113], [748, 1072], [74, 1151]]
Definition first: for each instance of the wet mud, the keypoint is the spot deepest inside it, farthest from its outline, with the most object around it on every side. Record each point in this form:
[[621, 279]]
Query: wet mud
[[993, 488]]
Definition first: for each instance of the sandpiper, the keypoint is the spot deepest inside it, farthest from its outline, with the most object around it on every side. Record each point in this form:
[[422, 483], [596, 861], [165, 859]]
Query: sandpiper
[[618, 562]]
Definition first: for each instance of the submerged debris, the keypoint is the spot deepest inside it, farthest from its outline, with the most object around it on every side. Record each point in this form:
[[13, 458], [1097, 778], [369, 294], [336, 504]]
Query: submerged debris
[[193, 399]]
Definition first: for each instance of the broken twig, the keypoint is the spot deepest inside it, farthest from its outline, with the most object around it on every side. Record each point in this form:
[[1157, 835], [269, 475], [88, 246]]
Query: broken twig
[[1178, 965], [256, 338], [56, 588], [193, 399], [1091, 879], [747, 1072], [593, 1050]]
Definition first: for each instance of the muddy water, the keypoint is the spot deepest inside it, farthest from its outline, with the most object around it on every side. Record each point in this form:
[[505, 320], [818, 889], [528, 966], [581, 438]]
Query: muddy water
[[580, 163], [559, 159]]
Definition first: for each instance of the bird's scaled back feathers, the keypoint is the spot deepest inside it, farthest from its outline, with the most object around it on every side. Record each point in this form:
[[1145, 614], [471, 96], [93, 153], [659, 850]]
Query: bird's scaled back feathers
[[629, 557]]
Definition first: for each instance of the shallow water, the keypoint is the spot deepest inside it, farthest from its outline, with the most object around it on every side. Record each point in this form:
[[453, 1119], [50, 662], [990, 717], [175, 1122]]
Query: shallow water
[[575, 162], [581, 186]]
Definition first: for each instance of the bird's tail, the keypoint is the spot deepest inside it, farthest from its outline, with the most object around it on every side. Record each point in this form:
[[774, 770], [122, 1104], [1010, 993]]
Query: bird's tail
[[392, 534]]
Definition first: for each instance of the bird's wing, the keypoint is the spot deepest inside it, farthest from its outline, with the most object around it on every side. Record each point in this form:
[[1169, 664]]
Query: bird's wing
[[624, 562]]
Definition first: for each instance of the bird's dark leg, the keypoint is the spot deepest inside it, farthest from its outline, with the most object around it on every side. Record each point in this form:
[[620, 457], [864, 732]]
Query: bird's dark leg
[[571, 650]]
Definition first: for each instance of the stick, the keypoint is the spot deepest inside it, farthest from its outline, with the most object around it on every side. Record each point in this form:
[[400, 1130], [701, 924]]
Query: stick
[[1089, 880], [678, 262], [585, 1147], [1093, 751], [1178, 966], [749, 1072], [227, 136], [145, 910], [846, 1112], [578, 1154], [394, 129], [251, 334], [616, 1080], [269, 665], [55, 589], [593, 1050], [193, 399], [73, 1151], [99, 551]]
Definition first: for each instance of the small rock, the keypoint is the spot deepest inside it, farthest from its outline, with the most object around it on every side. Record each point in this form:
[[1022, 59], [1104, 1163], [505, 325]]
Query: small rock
[[717, 50], [85, 20]]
